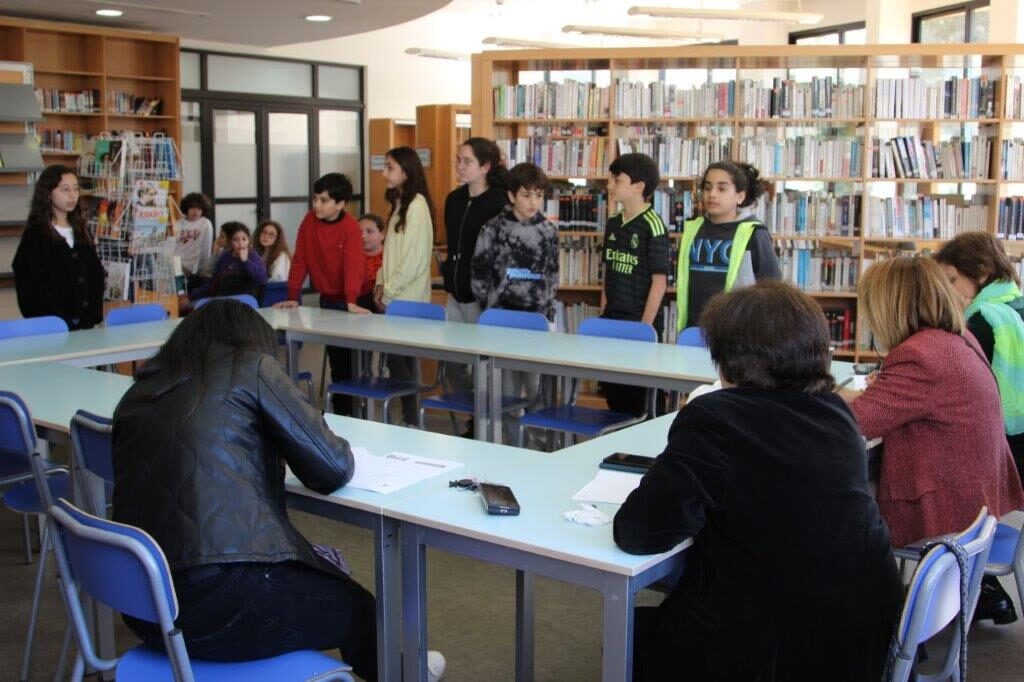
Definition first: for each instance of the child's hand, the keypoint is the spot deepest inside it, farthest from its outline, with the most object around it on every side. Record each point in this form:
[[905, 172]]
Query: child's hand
[[356, 308], [378, 296], [286, 304], [243, 254]]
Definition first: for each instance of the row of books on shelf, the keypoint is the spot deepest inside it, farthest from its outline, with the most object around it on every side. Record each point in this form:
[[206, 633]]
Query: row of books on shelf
[[906, 156], [570, 99], [568, 316], [1012, 163], [842, 327], [63, 140], [915, 97], [577, 209], [70, 101], [678, 155], [802, 157], [663, 100], [816, 214], [558, 157], [579, 260], [1013, 97], [132, 104], [813, 269], [786, 98], [925, 217], [1011, 218]]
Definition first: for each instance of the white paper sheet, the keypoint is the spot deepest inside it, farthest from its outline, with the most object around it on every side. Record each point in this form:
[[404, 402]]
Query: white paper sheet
[[611, 487], [394, 471]]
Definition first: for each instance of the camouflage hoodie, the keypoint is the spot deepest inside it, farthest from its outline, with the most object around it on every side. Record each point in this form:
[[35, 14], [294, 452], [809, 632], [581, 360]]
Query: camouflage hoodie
[[515, 265]]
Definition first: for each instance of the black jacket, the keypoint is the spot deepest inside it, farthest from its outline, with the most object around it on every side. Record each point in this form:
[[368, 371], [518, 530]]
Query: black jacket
[[51, 278], [208, 483], [463, 218], [791, 574]]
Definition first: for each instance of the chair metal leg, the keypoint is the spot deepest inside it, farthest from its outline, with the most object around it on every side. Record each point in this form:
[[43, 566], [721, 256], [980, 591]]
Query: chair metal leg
[[78, 671], [423, 417], [323, 369], [520, 435], [26, 538], [26, 657], [64, 648]]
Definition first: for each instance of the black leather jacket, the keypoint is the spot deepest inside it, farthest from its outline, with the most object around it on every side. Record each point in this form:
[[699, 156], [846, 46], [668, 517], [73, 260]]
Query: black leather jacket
[[208, 483]]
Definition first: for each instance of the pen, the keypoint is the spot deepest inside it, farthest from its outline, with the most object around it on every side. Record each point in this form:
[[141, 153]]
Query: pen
[[840, 386]]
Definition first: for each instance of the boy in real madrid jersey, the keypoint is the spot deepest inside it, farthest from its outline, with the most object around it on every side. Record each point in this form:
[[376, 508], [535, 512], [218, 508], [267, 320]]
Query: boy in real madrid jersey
[[636, 260]]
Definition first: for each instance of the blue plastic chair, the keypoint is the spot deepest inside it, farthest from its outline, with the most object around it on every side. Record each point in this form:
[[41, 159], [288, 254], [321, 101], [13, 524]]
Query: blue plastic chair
[[462, 401], [933, 600], [570, 419], [691, 336], [1007, 556], [143, 312], [92, 452], [124, 568], [274, 292], [32, 326], [386, 389], [247, 299], [31, 497]]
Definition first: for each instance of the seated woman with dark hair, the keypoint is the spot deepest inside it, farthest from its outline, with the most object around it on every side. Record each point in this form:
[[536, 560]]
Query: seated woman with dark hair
[[200, 442], [791, 576]]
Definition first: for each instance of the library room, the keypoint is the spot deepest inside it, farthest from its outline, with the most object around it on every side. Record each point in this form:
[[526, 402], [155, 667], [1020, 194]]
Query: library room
[[469, 340]]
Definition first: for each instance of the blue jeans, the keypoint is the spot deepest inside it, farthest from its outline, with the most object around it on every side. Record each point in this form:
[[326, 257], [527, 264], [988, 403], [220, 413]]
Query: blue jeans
[[247, 611]]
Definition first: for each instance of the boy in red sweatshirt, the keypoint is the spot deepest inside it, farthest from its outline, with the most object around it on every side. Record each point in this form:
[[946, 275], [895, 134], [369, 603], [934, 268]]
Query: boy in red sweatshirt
[[329, 248]]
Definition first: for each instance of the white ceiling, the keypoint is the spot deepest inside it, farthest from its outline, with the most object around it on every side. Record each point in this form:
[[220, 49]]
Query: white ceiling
[[245, 22]]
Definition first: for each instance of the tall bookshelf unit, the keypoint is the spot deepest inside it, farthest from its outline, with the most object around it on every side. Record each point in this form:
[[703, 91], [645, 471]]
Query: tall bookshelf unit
[[819, 149], [113, 69]]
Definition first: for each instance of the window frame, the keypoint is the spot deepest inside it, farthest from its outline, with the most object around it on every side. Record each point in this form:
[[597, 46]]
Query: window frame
[[841, 29], [967, 8]]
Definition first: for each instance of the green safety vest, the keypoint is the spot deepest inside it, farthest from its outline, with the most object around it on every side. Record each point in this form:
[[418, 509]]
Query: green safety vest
[[739, 244]]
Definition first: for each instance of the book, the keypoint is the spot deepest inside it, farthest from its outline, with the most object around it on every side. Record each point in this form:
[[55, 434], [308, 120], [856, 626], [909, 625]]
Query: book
[[118, 280]]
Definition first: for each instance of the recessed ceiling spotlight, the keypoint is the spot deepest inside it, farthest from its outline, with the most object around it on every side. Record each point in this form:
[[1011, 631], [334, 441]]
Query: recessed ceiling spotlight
[[318, 17], [109, 12]]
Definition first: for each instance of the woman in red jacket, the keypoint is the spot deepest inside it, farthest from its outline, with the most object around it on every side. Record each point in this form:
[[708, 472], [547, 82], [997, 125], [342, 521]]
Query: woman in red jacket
[[936, 406]]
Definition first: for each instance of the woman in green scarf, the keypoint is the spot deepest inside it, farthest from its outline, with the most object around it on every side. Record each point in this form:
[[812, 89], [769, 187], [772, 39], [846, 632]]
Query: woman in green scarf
[[979, 270]]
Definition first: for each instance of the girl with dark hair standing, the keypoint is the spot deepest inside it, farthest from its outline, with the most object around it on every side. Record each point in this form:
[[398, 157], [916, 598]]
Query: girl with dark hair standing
[[713, 253], [56, 268], [480, 197], [405, 272]]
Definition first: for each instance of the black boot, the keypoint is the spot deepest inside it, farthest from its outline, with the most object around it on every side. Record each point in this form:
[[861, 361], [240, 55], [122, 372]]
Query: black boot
[[994, 603]]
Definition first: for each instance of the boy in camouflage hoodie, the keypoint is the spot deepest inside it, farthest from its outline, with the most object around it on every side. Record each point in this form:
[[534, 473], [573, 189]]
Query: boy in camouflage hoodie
[[515, 265]]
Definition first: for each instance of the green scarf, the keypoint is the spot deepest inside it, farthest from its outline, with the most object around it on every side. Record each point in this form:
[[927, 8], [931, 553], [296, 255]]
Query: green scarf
[[1008, 354]]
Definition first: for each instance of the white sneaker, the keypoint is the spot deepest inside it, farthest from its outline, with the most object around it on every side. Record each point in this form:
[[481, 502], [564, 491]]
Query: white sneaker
[[436, 666]]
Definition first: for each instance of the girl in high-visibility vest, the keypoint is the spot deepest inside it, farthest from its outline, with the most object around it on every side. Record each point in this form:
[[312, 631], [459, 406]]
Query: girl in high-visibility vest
[[707, 264]]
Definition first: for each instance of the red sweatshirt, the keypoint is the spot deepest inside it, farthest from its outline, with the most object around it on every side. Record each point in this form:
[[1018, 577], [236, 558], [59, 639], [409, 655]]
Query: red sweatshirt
[[332, 254]]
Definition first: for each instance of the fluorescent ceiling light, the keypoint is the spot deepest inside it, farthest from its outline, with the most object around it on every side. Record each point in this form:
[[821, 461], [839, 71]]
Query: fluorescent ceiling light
[[522, 42], [109, 12], [655, 33], [728, 14], [437, 54], [318, 17]]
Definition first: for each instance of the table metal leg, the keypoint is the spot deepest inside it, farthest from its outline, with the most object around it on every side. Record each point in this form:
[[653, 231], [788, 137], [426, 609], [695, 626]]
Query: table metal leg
[[293, 354], [617, 639], [524, 626], [414, 605], [481, 401], [389, 636], [495, 391]]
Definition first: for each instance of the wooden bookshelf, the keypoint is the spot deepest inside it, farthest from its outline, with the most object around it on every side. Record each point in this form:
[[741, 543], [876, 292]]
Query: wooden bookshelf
[[72, 57], [754, 68]]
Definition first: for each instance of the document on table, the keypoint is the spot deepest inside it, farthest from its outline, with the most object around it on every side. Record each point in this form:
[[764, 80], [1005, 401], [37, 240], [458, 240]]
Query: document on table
[[394, 471], [611, 487]]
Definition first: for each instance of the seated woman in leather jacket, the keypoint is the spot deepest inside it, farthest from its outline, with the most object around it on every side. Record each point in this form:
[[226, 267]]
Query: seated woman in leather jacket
[[199, 447]]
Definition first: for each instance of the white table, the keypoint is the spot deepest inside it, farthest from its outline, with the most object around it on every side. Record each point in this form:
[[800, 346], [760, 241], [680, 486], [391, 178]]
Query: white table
[[540, 541], [90, 347]]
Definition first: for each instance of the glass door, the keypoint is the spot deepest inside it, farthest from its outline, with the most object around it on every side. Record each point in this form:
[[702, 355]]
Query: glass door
[[237, 159]]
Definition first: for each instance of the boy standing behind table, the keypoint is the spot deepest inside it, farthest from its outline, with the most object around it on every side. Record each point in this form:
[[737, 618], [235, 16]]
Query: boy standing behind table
[[515, 265]]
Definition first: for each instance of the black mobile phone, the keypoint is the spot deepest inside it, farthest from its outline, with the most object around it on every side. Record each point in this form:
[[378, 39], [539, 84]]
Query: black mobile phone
[[499, 499], [621, 461]]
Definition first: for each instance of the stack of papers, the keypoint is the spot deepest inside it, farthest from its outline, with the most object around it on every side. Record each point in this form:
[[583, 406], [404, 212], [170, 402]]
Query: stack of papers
[[610, 487], [394, 471]]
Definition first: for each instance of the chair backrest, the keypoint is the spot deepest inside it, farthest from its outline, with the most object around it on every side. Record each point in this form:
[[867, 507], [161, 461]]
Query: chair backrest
[[247, 299], [274, 292], [424, 311], [691, 336], [32, 326], [515, 319], [933, 600], [143, 312], [618, 329], [91, 448], [17, 434], [120, 566]]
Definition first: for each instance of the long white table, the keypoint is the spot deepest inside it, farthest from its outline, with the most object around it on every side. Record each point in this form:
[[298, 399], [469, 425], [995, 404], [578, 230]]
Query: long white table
[[90, 347]]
